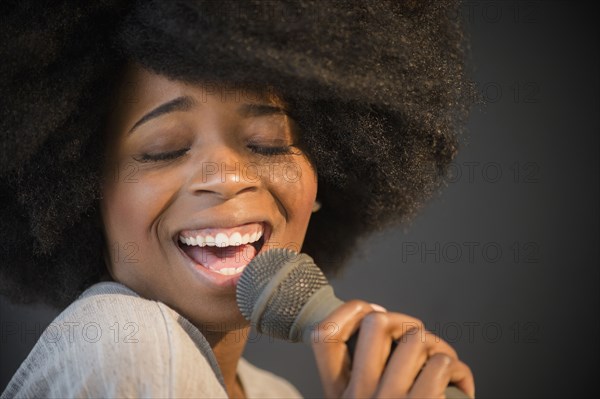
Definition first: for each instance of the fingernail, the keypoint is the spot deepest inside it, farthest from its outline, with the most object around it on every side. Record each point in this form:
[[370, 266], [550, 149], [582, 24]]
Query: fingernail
[[378, 308]]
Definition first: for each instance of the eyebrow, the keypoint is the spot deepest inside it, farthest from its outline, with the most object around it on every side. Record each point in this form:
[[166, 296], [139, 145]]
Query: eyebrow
[[184, 103]]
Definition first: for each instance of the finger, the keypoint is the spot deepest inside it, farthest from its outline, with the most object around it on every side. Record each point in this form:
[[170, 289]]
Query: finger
[[467, 382], [437, 373], [415, 346], [372, 350], [404, 365], [404, 327], [329, 345]]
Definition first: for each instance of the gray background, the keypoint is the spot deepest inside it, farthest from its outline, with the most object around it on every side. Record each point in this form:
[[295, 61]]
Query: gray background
[[503, 264]]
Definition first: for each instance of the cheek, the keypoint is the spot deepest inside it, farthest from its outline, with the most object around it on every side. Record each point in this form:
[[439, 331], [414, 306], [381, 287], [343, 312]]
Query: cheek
[[296, 189], [120, 207], [130, 206]]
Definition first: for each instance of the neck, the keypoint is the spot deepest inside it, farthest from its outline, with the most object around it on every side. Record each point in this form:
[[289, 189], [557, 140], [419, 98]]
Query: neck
[[228, 347]]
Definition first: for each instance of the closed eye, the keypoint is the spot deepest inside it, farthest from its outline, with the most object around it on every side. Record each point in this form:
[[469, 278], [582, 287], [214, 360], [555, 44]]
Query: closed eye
[[163, 156], [272, 151]]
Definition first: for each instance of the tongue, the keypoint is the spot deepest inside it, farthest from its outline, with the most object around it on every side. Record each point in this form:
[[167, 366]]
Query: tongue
[[217, 258]]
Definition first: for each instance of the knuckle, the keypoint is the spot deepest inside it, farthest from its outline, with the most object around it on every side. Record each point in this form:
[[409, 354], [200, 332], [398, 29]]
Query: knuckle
[[440, 360], [443, 345], [415, 336], [453, 352], [358, 305], [377, 320], [412, 326], [467, 368]]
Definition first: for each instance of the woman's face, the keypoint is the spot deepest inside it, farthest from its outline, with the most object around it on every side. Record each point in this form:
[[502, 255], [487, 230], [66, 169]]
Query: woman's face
[[198, 180]]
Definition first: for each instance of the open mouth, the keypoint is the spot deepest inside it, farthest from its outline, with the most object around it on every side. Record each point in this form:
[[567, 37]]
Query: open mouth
[[226, 251]]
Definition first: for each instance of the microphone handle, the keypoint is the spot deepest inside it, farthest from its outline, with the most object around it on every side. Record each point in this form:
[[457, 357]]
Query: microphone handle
[[452, 391]]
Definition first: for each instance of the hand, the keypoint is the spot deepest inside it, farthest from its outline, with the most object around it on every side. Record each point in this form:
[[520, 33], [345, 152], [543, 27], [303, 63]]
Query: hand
[[421, 366]]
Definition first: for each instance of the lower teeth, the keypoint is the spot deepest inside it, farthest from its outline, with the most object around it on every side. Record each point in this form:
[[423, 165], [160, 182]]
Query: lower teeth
[[228, 271]]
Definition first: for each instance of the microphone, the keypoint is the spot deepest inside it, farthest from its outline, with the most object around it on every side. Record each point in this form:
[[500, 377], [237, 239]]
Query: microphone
[[284, 294]]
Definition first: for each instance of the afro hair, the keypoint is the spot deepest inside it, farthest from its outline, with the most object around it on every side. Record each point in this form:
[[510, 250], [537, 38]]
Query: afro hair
[[378, 90]]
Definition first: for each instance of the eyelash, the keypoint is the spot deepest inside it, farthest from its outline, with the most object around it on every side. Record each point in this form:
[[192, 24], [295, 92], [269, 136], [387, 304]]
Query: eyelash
[[271, 151], [169, 156], [163, 156]]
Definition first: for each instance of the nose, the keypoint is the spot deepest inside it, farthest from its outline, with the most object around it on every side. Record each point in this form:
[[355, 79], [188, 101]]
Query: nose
[[222, 174]]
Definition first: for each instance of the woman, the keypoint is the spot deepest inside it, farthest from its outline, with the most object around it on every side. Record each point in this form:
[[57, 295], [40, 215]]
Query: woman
[[150, 150]]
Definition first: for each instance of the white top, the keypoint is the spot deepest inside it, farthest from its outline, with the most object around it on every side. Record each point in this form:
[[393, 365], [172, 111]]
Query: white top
[[111, 342]]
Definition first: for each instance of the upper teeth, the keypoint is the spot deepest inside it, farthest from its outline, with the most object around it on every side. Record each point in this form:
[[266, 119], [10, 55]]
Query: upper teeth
[[221, 239]]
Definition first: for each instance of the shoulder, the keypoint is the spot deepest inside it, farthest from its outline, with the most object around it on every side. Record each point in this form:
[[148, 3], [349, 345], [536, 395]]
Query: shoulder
[[259, 383], [112, 342]]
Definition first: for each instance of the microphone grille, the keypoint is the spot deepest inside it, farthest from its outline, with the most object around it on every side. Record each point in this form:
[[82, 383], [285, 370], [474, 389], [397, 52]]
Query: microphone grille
[[256, 275], [294, 279]]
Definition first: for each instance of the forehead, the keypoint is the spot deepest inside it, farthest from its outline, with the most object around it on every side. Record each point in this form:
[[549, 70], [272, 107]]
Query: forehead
[[140, 90], [146, 89]]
